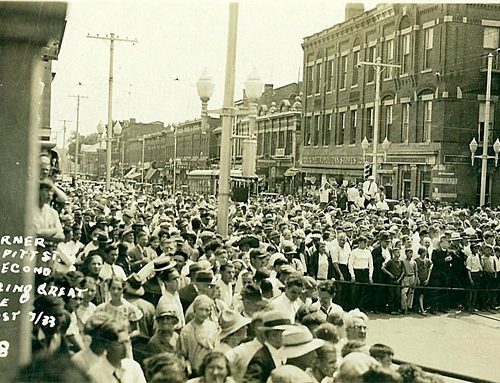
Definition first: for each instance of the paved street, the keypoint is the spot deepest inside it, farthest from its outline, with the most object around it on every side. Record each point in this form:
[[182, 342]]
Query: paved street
[[463, 343]]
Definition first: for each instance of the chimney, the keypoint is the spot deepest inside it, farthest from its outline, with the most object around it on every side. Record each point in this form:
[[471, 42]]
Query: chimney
[[268, 88], [353, 10], [132, 120]]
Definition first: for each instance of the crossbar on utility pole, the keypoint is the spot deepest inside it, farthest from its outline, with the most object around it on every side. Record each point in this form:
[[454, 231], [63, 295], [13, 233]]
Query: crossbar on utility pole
[[109, 130], [379, 66], [78, 97]]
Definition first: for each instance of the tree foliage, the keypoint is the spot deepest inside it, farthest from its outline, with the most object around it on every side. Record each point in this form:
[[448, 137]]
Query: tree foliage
[[90, 139]]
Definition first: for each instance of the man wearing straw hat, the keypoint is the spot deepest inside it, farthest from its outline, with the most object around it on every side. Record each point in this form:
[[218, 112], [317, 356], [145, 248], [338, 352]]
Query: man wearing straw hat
[[233, 330]]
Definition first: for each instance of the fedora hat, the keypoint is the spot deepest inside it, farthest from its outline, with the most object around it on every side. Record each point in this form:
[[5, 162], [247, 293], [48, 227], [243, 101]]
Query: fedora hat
[[276, 320], [163, 264], [103, 239], [134, 285], [205, 276], [231, 321], [298, 341]]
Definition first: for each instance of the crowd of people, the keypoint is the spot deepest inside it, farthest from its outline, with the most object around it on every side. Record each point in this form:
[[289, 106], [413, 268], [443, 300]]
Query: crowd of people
[[281, 299]]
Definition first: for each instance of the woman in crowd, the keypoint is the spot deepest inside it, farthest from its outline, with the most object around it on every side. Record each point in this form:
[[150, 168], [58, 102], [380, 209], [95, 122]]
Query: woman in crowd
[[214, 369]]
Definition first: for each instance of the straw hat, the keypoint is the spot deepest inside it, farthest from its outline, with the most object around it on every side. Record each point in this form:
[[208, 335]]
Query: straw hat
[[299, 341], [276, 320], [231, 321]]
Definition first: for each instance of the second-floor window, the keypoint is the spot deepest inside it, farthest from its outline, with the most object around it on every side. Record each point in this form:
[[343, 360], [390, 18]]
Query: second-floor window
[[341, 129], [307, 131], [343, 71], [329, 75], [327, 129], [405, 123], [309, 80], [289, 142], [355, 68], [387, 126], [491, 38], [405, 53], [369, 124], [354, 126], [428, 43], [389, 57], [370, 56], [316, 130], [318, 78]]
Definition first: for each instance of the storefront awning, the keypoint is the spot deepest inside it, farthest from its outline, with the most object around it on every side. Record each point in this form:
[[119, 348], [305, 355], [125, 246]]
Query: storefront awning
[[151, 172], [130, 172], [291, 172]]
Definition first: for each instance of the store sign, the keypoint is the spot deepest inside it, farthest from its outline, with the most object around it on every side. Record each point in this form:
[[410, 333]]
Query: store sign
[[457, 160], [331, 160]]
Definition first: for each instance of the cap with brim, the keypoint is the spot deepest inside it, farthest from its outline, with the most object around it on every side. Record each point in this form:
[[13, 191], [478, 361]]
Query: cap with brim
[[167, 312], [104, 239], [298, 341], [231, 321]]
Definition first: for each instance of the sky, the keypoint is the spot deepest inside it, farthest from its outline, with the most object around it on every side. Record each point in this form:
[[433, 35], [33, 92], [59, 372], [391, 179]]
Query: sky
[[155, 79]]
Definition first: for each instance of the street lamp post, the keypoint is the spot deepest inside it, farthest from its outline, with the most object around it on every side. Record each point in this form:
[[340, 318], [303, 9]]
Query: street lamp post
[[100, 131], [364, 146], [205, 88], [253, 90], [117, 131]]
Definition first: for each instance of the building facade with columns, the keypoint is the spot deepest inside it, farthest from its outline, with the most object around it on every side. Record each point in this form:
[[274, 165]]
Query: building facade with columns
[[431, 107]]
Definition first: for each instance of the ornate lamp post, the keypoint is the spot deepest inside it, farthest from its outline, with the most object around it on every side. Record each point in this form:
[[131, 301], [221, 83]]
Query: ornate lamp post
[[253, 90], [473, 146], [205, 87]]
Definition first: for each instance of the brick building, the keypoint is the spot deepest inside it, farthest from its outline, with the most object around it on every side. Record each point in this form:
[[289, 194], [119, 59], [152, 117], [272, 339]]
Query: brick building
[[431, 107], [195, 149], [278, 136]]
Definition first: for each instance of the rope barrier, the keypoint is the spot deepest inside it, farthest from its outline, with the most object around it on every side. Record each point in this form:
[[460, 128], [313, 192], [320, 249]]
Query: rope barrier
[[448, 374], [414, 287]]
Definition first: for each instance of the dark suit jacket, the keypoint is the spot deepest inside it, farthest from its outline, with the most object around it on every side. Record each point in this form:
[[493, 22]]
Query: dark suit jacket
[[260, 367], [312, 267], [152, 291], [440, 267], [187, 295], [378, 260]]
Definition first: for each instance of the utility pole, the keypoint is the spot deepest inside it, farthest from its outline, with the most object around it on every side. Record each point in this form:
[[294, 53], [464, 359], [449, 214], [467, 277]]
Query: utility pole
[[379, 67], [64, 139], [77, 129], [109, 130]]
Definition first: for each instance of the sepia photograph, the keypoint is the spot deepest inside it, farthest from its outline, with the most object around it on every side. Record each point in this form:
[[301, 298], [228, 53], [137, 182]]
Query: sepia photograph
[[249, 191]]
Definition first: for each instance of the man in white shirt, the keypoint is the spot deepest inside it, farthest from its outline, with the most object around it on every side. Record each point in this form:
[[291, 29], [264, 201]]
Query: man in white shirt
[[370, 188], [225, 283], [289, 301], [361, 271], [115, 367]]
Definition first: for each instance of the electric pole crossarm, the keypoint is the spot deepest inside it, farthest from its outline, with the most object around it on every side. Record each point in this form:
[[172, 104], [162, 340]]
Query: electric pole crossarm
[[127, 40], [379, 64]]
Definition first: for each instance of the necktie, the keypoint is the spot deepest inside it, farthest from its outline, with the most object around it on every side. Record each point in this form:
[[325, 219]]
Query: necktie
[[118, 374]]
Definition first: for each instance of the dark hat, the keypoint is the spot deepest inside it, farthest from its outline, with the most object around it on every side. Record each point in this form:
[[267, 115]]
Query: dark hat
[[273, 234], [102, 219], [256, 253], [134, 285], [251, 292], [99, 207], [384, 236], [194, 268], [206, 276], [127, 232], [139, 222], [103, 239]]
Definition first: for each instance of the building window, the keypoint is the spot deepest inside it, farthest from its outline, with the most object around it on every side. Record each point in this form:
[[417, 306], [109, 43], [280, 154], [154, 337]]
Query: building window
[[370, 56], [369, 124], [389, 57], [341, 129], [289, 142], [354, 126], [327, 129], [428, 43], [405, 53], [307, 131], [355, 68], [318, 78], [343, 72], [309, 80], [281, 139], [316, 130], [490, 38], [387, 126], [405, 123], [425, 123], [274, 142], [329, 75]]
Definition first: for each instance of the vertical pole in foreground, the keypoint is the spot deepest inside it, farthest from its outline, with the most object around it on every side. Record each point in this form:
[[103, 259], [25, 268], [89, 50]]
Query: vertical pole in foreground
[[109, 130], [225, 151], [376, 118], [484, 157]]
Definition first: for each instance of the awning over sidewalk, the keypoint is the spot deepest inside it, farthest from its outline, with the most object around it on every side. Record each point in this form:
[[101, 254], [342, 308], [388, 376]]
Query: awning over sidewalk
[[291, 172], [151, 172]]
